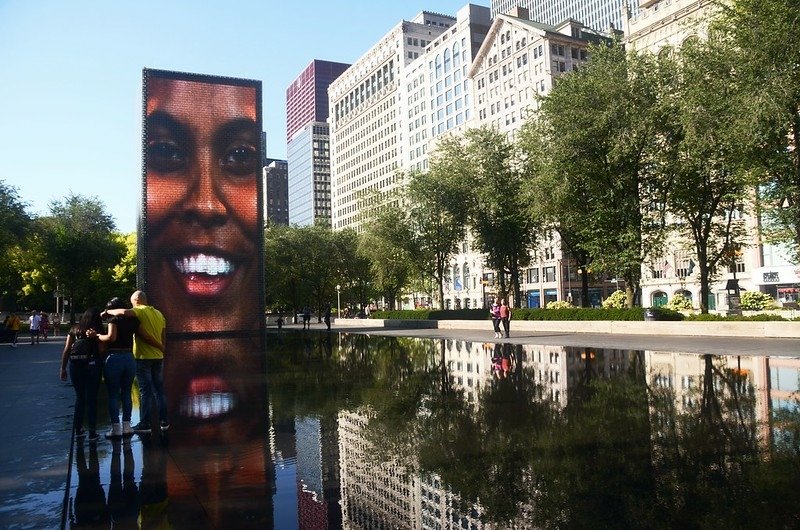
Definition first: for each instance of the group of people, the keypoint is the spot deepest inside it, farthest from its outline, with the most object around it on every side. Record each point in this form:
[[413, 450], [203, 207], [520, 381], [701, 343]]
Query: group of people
[[38, 323], [501, 314], [131, 345]]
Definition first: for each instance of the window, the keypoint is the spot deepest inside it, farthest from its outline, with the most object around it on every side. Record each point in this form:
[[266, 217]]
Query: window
[[549, 274], [532, 275]]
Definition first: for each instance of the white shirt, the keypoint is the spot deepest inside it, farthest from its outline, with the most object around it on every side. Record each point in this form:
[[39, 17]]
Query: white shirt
[[34, 321]]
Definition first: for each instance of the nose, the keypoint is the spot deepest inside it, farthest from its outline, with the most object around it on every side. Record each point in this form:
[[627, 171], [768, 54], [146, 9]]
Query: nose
[[205, 204]]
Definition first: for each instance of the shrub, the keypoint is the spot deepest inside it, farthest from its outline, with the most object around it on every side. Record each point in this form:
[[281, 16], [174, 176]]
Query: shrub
[[756, 301], [679, 303], [712, 317], [615, 300], [414, 314], [559, 305]]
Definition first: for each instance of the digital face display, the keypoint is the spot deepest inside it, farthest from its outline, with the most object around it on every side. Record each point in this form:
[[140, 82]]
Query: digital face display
[[201, 235]]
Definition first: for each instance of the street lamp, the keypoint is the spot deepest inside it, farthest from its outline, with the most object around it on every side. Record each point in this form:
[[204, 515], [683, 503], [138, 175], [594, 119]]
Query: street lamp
[[338, 301]]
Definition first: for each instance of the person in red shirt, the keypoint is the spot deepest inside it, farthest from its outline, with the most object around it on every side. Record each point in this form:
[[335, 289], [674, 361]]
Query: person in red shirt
[[505, 316]]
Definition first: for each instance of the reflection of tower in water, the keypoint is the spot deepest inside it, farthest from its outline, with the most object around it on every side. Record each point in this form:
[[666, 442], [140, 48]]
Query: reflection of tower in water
[[318, 473]]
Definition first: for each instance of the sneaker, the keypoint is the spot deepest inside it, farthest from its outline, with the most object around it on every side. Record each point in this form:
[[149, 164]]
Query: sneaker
[[13, 345], [115, 432], [126, 429], [164, 425], [93, 436], [141, 428]]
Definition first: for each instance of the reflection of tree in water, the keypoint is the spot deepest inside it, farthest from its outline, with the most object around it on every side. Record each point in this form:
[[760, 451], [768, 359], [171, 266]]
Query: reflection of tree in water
[[621, 453]]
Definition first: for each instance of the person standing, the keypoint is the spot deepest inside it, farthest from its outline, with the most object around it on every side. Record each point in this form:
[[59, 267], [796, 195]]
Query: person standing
[[494, 311], [328, 317], [120, 366], [505, 316], [44, 325], [306, 317], [82, 351], [34, 321], [149, 360], [13, 323]]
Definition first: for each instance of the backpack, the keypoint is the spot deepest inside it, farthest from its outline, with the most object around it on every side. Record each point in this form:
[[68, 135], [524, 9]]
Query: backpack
[[84, 349]]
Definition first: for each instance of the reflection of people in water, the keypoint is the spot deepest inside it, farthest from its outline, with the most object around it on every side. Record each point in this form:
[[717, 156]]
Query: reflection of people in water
[[123, 496], [203, 229], [217, 466], [90, 499], [153, 487]]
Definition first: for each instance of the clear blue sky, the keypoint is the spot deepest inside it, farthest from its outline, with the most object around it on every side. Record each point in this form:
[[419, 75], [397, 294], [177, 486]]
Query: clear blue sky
[[70, 88]]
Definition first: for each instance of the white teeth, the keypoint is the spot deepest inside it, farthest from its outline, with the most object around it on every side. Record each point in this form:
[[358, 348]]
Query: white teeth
[[203, 264], [208, 405]]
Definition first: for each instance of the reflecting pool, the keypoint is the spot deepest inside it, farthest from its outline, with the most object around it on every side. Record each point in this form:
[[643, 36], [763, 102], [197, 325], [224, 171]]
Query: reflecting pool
[[353, 431]]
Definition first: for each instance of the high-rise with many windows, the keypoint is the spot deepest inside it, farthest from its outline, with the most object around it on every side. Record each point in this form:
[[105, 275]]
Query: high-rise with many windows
[[367, 127], [276, 204], [438, 91], [599, 15], [307, 143]]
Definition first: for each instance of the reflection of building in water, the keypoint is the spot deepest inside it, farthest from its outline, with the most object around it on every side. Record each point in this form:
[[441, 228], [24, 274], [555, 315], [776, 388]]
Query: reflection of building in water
[[683, 373], [317, 473], [440, 508], [556, 368], [374, 495], [385, 495], [780, 380]]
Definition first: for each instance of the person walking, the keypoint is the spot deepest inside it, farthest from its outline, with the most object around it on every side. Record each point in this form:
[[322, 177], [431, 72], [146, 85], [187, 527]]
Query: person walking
[[494, 311], [149, 360], [120, 366], [44, 325], [34, 321], [306, 317], [328, 317], [505, 316], [13, 323], [82, 352]]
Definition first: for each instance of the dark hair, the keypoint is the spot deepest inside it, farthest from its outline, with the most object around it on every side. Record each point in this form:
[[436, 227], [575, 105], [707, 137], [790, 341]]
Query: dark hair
[[89, 320], [116, 303]]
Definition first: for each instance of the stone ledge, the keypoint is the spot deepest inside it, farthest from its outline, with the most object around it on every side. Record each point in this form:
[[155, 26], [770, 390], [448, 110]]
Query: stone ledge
[[692, 329]]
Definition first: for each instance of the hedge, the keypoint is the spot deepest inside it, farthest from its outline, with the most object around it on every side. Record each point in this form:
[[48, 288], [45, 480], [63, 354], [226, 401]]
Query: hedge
[[574, 313]]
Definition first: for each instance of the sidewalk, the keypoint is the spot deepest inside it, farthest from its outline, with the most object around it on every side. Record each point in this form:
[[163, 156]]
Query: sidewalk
[[36, 415]]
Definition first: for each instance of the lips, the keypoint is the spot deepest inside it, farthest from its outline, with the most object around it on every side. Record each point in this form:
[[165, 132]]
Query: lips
[[204, 274], [208, 398]]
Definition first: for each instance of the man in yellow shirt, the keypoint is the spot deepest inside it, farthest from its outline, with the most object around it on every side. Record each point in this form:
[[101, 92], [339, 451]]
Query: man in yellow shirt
[[149, 360]]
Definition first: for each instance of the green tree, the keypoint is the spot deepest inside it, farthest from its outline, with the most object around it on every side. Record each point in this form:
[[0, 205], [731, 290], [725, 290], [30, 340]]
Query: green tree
[[76, 240], [767, 56], [355, 276], [484, 171], [383, 243], [433, 230], [706, 171], [15, 223], [594, 138], [281, 278]]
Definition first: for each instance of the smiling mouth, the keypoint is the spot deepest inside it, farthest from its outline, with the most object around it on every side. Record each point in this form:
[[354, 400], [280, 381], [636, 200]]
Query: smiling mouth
[[204, 264], [204, 275], [208, 397]]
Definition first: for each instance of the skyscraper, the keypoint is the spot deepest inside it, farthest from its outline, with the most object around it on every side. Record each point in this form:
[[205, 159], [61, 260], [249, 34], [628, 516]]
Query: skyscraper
[[596, 14], [367, 125], [276, 207], [307, 142]]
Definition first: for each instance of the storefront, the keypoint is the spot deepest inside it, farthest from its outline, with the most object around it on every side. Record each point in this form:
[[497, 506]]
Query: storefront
[[781, 283]]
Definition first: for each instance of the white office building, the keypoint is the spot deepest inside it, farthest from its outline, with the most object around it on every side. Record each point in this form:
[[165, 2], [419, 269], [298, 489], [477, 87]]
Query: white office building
[[367, 127]]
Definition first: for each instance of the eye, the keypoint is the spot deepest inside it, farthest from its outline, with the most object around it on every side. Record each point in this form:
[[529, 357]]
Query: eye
[[165, 156], [240, 159]]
